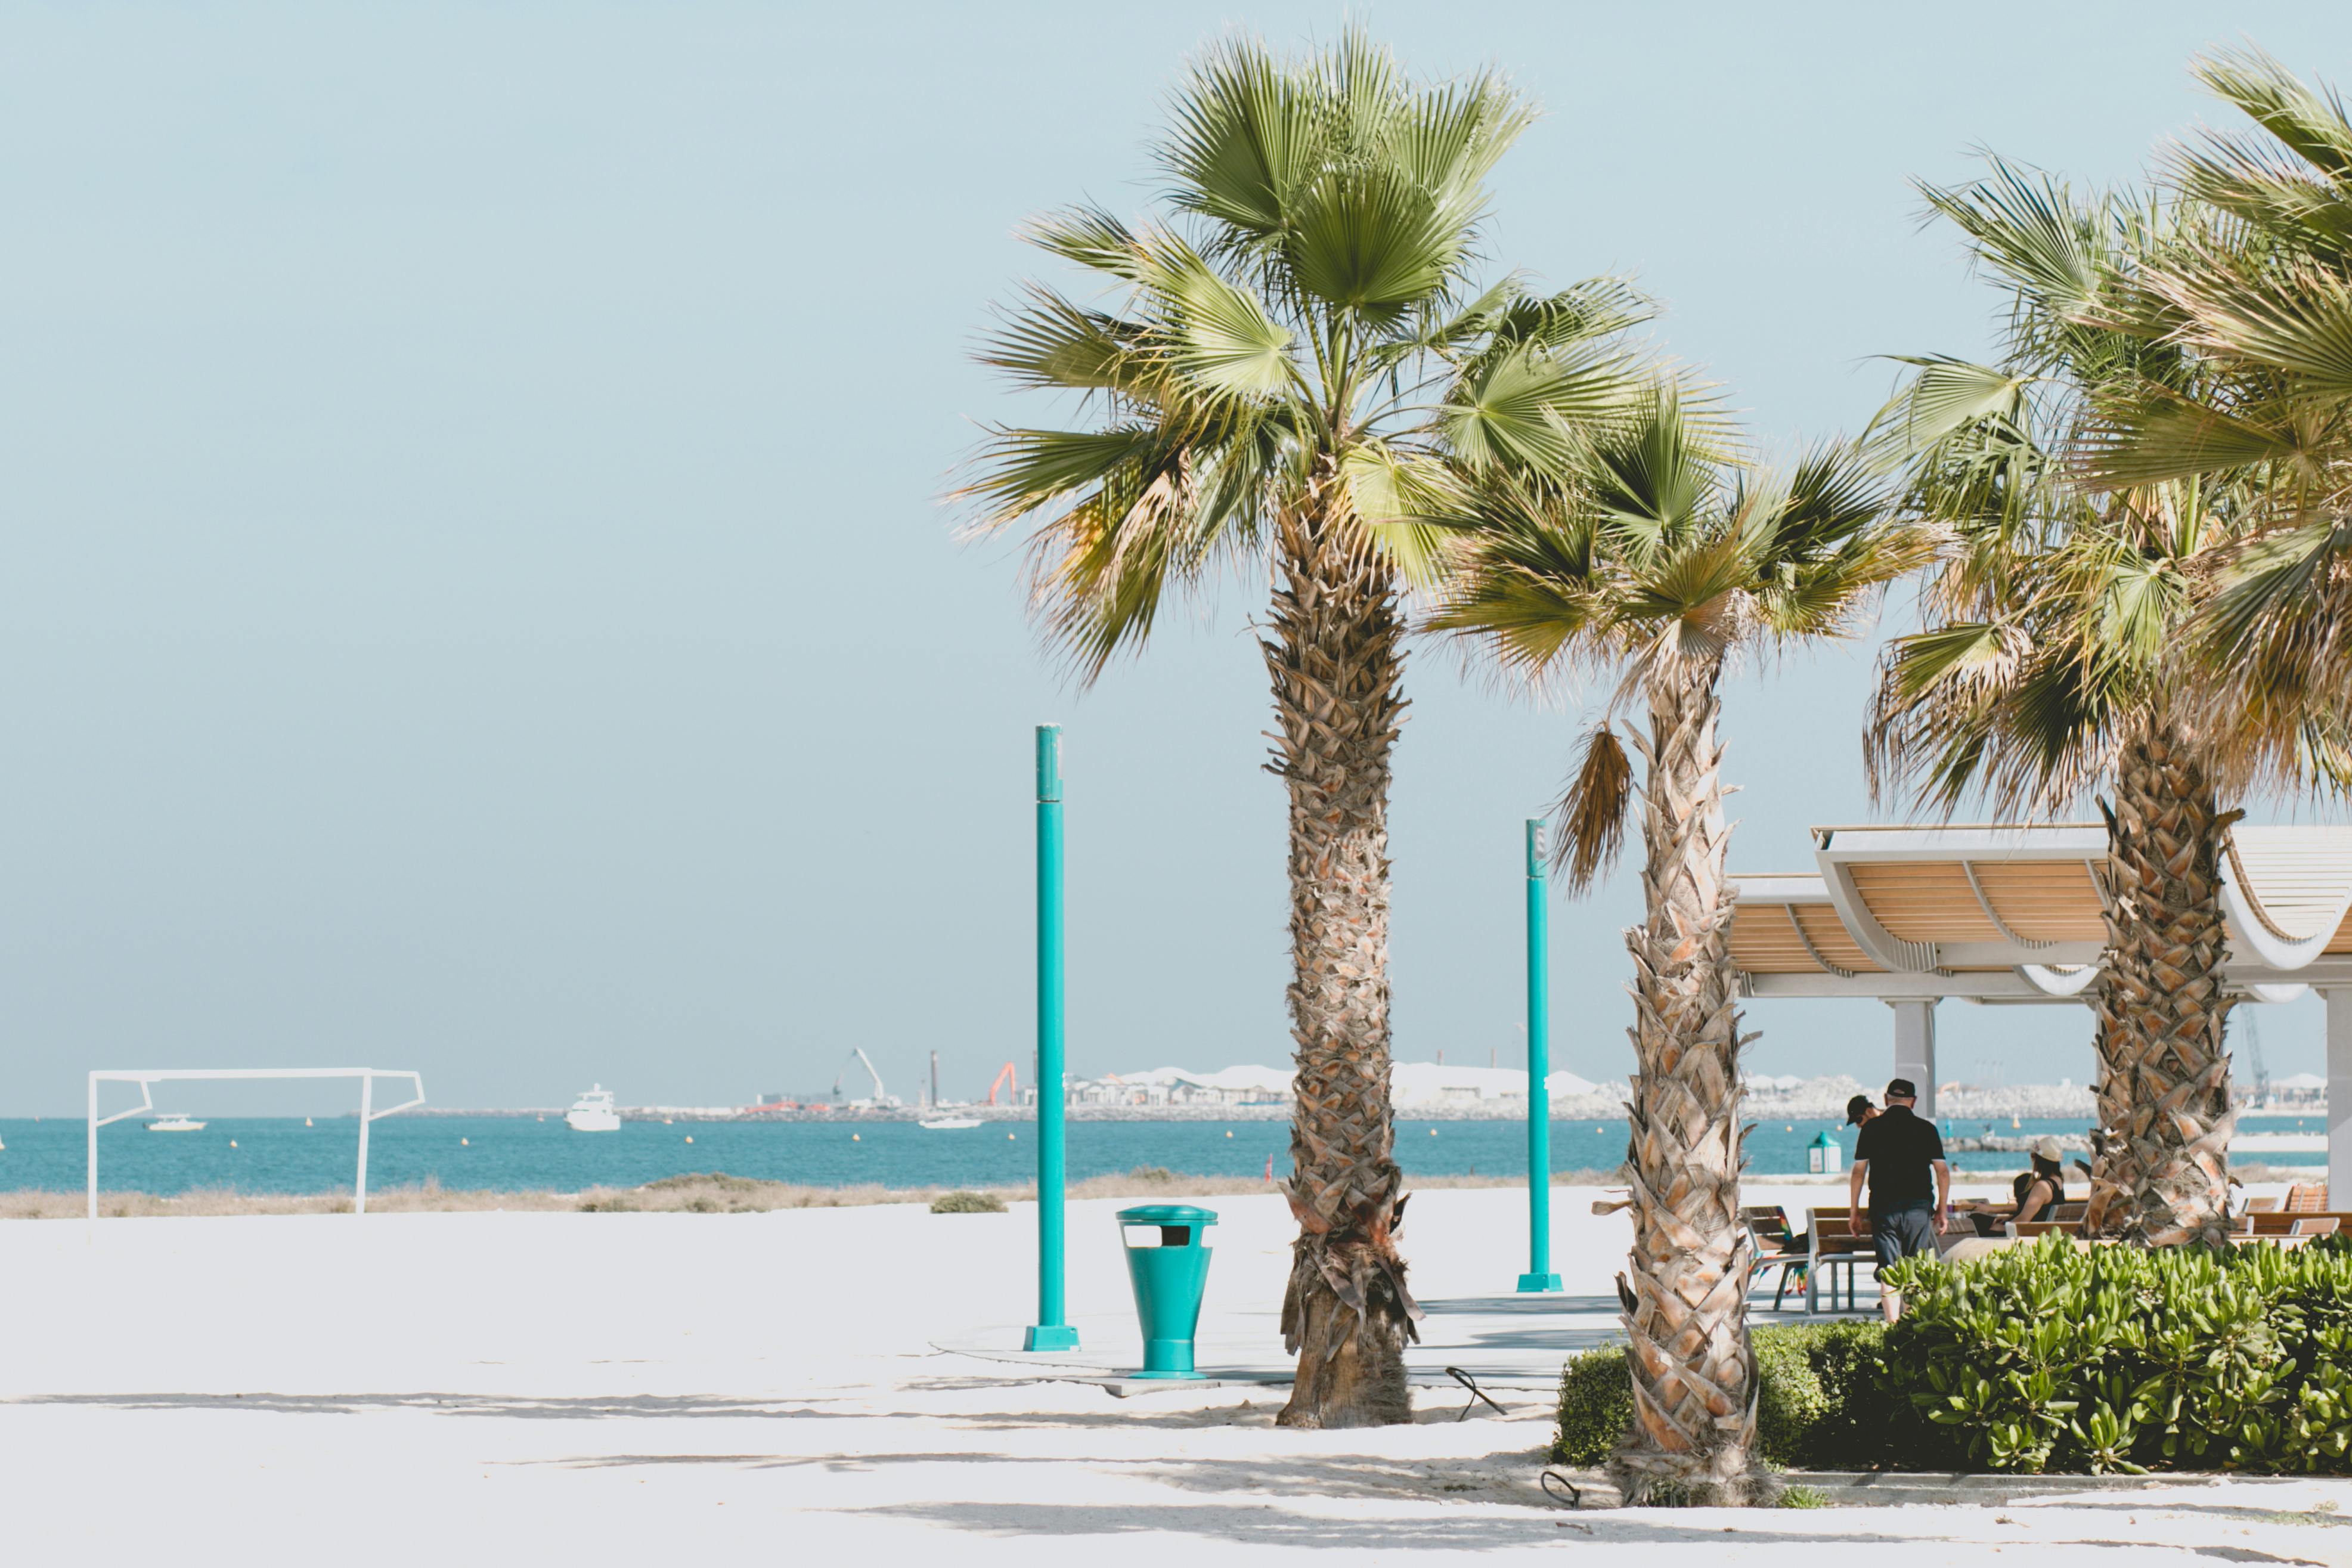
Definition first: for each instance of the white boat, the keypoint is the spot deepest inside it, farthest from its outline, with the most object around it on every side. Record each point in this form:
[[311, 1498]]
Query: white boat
[[175, 1122], [594, 1112], [950, 1124]]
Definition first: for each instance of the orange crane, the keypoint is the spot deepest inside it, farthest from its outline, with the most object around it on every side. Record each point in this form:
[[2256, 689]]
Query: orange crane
[[1009, 1081]]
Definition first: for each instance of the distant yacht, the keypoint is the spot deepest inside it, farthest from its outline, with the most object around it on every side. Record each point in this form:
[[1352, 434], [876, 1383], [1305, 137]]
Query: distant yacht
[[594, 1112], [175, 1122], [950, 1124]]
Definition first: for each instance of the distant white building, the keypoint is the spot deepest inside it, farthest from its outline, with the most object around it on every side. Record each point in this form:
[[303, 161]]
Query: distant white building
[[1180, 1086], [1412, 1086], [1435, 1086], [2304, 1090]]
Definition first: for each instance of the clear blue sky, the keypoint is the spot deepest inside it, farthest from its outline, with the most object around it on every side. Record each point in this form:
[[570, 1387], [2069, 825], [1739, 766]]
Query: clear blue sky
[[475, 596]]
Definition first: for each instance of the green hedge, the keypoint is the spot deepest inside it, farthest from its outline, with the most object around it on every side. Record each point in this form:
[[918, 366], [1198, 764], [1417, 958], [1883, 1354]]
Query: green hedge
[[1817, 1407], [2050, 1357], [2110, 1358]]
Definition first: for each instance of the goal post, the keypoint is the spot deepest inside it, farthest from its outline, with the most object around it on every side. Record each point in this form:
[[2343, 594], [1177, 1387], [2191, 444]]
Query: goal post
[[147, 1077]]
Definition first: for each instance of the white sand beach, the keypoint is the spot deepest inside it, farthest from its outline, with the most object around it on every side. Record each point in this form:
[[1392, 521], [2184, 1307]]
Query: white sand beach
[[627, 1388]]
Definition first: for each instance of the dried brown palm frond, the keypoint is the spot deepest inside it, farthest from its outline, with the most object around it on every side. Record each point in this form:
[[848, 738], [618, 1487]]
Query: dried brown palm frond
[[1591, 813]]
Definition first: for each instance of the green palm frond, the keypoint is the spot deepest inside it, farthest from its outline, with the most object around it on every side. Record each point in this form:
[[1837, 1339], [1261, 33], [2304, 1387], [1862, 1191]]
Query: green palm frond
[[1248, 134], [2138, 435], [2309, 122], [1524, 406], [1944, 398], [2295, 320], [1409, 503], [1597, 307], [2030, 231]]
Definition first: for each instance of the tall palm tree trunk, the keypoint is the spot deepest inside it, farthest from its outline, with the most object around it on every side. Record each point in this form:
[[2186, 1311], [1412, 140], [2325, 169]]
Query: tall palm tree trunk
[[2114, 1177], [1694, 1375], [1335, 654], [2160, 1004]]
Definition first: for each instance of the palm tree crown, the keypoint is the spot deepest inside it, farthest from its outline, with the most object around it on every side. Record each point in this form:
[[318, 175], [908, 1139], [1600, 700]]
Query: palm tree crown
[[1661, 554], [2057, 610], [1301, 335]]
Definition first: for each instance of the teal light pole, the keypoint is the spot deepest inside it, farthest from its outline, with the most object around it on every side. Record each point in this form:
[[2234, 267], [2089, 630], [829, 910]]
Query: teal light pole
[[1049, 1332], [1538, 1275]]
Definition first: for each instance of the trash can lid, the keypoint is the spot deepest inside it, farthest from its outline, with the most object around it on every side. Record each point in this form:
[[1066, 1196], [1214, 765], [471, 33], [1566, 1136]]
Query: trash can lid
[[1167, 1214]]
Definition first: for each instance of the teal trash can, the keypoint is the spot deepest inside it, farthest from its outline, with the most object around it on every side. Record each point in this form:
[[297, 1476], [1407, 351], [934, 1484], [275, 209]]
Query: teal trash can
[[1168, 1264]]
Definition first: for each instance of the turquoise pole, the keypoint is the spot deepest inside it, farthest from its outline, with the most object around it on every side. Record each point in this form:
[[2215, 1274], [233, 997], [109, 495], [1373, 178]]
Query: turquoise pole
[[1538, 1275], [1050, 1331]]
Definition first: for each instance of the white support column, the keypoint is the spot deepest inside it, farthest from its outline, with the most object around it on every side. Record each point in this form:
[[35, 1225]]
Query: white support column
[[2339, 1095], [1915, 1050]]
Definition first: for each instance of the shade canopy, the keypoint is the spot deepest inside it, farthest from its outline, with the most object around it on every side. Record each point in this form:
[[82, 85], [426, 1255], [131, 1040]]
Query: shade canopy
[[2011, 912]]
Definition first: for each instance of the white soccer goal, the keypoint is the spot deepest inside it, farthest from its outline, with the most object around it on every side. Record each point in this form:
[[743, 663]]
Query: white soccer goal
[[147, 1079]]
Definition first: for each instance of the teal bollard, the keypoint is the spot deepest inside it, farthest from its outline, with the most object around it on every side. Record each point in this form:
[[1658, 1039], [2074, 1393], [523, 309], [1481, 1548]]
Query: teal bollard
[[1169, 1279]]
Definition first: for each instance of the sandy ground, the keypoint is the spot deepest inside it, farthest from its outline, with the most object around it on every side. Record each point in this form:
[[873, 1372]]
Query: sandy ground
[[626, 1388]]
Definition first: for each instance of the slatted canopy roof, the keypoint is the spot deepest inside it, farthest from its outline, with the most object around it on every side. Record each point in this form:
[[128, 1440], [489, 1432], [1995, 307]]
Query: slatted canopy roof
[[2015, 913]]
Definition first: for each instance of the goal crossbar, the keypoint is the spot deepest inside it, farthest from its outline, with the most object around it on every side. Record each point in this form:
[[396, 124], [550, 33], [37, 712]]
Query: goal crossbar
[[147, 1077]]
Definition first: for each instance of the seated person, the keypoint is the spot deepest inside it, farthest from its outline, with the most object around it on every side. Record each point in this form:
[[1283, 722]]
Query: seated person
[[2041, 1188]]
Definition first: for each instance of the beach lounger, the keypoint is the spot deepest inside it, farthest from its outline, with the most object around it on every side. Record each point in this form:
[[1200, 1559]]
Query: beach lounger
[[2306, 1199]]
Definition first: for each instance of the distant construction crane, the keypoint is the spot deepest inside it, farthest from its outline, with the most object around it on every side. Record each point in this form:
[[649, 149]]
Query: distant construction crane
[[882, 1100], [1008, 1080]]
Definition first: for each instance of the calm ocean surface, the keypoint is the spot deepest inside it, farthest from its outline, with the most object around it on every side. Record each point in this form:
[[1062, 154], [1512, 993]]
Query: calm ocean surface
[[515, 1153]]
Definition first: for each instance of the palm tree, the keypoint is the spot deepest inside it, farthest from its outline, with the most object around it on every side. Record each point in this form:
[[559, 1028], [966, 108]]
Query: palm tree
[[1657, 560], [1293, 376], [2053, 659]]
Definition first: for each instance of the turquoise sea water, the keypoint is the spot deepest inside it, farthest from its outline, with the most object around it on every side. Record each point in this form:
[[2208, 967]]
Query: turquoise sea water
[[514, 1153]]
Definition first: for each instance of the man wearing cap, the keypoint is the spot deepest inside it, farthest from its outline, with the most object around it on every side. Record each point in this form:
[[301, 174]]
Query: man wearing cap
[[1902, 1158]]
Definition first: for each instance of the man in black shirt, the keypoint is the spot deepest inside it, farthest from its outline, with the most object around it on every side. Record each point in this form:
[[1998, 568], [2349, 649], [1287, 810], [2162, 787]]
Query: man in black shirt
[[1910, 1181]]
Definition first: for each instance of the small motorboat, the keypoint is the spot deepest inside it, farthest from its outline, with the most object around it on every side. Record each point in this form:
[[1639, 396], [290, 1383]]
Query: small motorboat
[[594, 1112], [950, 1124], [172, 1122]]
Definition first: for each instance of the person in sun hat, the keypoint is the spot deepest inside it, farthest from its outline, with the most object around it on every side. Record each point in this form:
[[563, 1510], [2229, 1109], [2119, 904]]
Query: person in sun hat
[[1901, 1156], [2044, 1187]]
